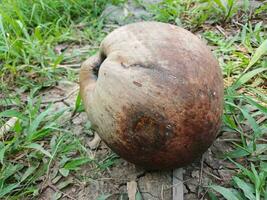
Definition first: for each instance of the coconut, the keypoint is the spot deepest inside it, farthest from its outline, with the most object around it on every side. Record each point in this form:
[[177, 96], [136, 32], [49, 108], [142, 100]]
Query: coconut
[[154, 94]]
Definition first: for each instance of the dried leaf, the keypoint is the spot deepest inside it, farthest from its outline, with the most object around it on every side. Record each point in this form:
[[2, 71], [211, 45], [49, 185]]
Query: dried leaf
[[131, 189]]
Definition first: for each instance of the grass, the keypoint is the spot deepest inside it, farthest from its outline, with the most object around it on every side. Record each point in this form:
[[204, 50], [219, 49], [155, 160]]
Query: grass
[[39, 148], [30, 31], [39, 38]]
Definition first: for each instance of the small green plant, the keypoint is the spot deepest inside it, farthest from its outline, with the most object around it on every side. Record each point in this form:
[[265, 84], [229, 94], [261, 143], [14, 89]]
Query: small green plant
[[261, 50], [243, 114], [250, 184], [193, 14], [227, 8], [32, 147], [212, 11], [167, 11], [30, 32], [40, 148]]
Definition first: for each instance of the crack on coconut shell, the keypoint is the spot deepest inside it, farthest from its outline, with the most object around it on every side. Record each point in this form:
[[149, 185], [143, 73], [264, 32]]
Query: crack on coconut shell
[[142, 65], [97, 66]]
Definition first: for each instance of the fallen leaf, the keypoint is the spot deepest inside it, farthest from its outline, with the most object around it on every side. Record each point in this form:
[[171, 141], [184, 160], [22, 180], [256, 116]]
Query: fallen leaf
[[131, 189]]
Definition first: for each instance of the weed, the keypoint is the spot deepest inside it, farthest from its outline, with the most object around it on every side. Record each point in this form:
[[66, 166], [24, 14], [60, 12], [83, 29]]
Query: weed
[[30, 30], [32, 147], [244, 109], [39, 147], [194, 14]]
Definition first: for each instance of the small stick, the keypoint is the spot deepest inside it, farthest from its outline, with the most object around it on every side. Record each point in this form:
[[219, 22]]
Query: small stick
[[220, 29], [200, 176], [213, 175], [61, 99], [58, 190], [178, 186]]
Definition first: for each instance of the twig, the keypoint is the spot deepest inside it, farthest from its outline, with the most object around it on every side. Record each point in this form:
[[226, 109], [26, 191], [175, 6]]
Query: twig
[[262, 119], [237, 23], [61, 99], [204, 194], [214, 176], [251, 138], [70, 67], [177, 181], [57, 190], [200, 175], [111, 26], [221, 31], [162, 192], [229, 139]]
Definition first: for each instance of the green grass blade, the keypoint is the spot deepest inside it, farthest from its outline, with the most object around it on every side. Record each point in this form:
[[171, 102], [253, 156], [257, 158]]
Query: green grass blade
[[12, 113], [138, 196], [221, 5], [244, 78], [252, 122], [76, 163], [225, 192], [64, 172], [260, 148], [38, 135], [103, 197], [246, 188], [260, 51], [7, 189], [238, 153], [212, 196], [10, 170], [38, 148], [3, 32], [245, 171], [78, 102], [250, 119], [36, 122], [2, 154], [262, 108], [28, 172]]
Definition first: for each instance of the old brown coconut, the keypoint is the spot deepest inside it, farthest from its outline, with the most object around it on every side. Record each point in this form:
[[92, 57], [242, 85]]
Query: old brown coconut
[[154, 93]]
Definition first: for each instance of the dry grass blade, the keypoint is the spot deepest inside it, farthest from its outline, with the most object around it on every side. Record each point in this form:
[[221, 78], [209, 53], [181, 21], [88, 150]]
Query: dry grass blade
[[7, 126], [131, 189]]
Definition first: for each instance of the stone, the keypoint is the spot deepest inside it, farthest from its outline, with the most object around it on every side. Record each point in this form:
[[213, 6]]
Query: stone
[[129, 12], [226, 174]]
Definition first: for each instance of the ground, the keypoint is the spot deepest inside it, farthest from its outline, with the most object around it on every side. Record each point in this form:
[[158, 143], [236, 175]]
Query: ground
[[50, 152]]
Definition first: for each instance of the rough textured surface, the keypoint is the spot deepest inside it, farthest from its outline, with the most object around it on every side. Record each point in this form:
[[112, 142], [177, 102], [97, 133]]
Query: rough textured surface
[[152, 185], [158, 98], [90, 184]]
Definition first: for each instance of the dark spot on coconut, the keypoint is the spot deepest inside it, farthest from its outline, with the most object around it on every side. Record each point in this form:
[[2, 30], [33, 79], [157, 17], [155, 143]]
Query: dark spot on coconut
[[137, 84]]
